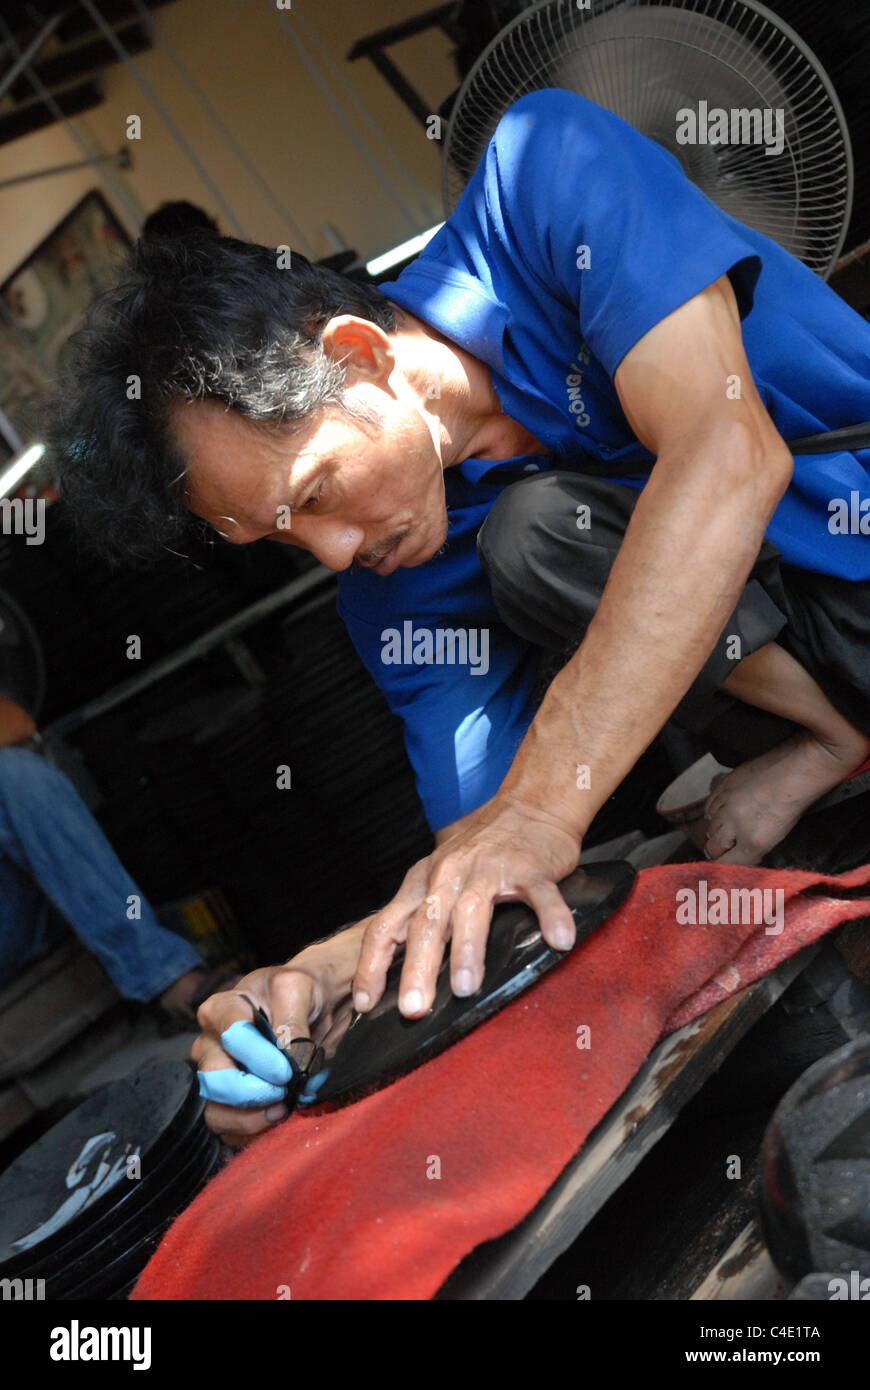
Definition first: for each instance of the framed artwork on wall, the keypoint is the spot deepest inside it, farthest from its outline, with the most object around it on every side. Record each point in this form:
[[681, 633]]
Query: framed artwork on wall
[[46, 298]]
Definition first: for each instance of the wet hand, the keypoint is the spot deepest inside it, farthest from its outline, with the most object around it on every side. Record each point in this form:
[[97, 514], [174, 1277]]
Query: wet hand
[[242, 1075], [504, 852]]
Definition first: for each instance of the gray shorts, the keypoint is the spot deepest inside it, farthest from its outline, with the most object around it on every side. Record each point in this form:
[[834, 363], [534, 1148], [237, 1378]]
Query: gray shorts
[[548, 574]]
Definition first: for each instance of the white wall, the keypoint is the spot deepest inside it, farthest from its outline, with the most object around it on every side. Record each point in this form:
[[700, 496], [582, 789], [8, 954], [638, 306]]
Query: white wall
[[238, 53], [30, 210]]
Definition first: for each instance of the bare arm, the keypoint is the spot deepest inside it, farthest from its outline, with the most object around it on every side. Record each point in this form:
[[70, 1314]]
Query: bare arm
[[451, 828], [721, 469]]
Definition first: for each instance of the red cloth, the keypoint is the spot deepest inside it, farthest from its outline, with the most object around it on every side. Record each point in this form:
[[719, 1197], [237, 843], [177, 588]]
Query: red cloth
[[339, 1205]]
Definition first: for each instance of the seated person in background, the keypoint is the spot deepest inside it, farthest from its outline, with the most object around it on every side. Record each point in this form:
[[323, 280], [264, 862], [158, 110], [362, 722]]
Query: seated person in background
[[58, 870]]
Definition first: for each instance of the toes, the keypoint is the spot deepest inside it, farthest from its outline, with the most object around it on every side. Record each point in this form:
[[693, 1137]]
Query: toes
[[716, 846], [718, 798], [720, 837], [726, 845], [739, 854]]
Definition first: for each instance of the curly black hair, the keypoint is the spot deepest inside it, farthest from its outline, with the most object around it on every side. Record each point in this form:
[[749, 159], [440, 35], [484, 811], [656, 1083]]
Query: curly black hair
[[191, 317]]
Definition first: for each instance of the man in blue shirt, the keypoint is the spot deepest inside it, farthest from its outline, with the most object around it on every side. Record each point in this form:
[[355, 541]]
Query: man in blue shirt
[[575, 237], [585, 314]]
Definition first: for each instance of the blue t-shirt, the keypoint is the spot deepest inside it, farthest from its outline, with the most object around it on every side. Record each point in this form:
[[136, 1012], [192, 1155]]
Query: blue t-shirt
[[510, 279]]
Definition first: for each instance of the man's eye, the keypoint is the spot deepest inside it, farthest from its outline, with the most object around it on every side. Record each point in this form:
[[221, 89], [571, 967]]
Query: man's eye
[[311, 501]]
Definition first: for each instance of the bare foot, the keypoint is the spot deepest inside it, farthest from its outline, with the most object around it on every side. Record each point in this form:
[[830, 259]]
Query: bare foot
[[757, 804]]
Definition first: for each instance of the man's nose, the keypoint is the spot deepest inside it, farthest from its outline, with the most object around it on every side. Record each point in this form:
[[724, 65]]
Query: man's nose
[[333, 543]]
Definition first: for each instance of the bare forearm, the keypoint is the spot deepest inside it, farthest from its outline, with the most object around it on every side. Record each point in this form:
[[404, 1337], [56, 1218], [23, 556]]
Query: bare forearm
[[693, 538], [452, 828], [333, 960]]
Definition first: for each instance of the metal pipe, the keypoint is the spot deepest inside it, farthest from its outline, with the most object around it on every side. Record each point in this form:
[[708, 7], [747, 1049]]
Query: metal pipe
[[116, 187], [32, 49], [400, 85], [302, 585], [354, 97], [382, 178], [165, 116], [299, 236], [122, 159]]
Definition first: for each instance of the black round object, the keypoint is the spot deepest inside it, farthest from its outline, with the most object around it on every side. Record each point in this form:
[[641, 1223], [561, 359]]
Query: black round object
[[22, 664], [70, 1214], [365, 1051], [815, 1194], [120, 1209]]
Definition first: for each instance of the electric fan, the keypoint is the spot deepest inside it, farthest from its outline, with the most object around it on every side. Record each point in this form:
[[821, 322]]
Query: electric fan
[[649, 62]]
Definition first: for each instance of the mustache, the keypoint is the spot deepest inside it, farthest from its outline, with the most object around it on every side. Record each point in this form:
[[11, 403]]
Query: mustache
[[371, 557]]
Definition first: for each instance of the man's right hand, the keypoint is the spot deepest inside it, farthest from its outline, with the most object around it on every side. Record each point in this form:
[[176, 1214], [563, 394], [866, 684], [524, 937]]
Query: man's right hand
[[243, 1076]]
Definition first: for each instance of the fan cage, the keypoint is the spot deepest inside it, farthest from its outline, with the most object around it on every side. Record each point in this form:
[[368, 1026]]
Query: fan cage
[[736, 49]]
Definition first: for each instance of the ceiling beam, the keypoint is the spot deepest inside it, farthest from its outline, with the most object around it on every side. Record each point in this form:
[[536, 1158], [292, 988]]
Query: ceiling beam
[[78, 23], [85, 60], [75, 21], [35, 114], [7, 79]]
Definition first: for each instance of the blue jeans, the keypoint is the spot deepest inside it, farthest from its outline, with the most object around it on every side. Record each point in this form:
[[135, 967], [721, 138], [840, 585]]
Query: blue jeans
[[58, 870]]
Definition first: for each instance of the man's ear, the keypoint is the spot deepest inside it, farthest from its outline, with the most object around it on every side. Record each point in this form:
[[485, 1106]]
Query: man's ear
[[16, 724], [361, 345]]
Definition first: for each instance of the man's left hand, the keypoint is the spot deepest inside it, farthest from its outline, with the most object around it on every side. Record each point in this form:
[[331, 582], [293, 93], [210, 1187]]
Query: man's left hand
[[505, 851]]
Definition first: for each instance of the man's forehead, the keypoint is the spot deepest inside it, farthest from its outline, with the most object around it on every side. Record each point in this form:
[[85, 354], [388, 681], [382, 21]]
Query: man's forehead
[[233, 467], [208, 429], [203, 423]]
